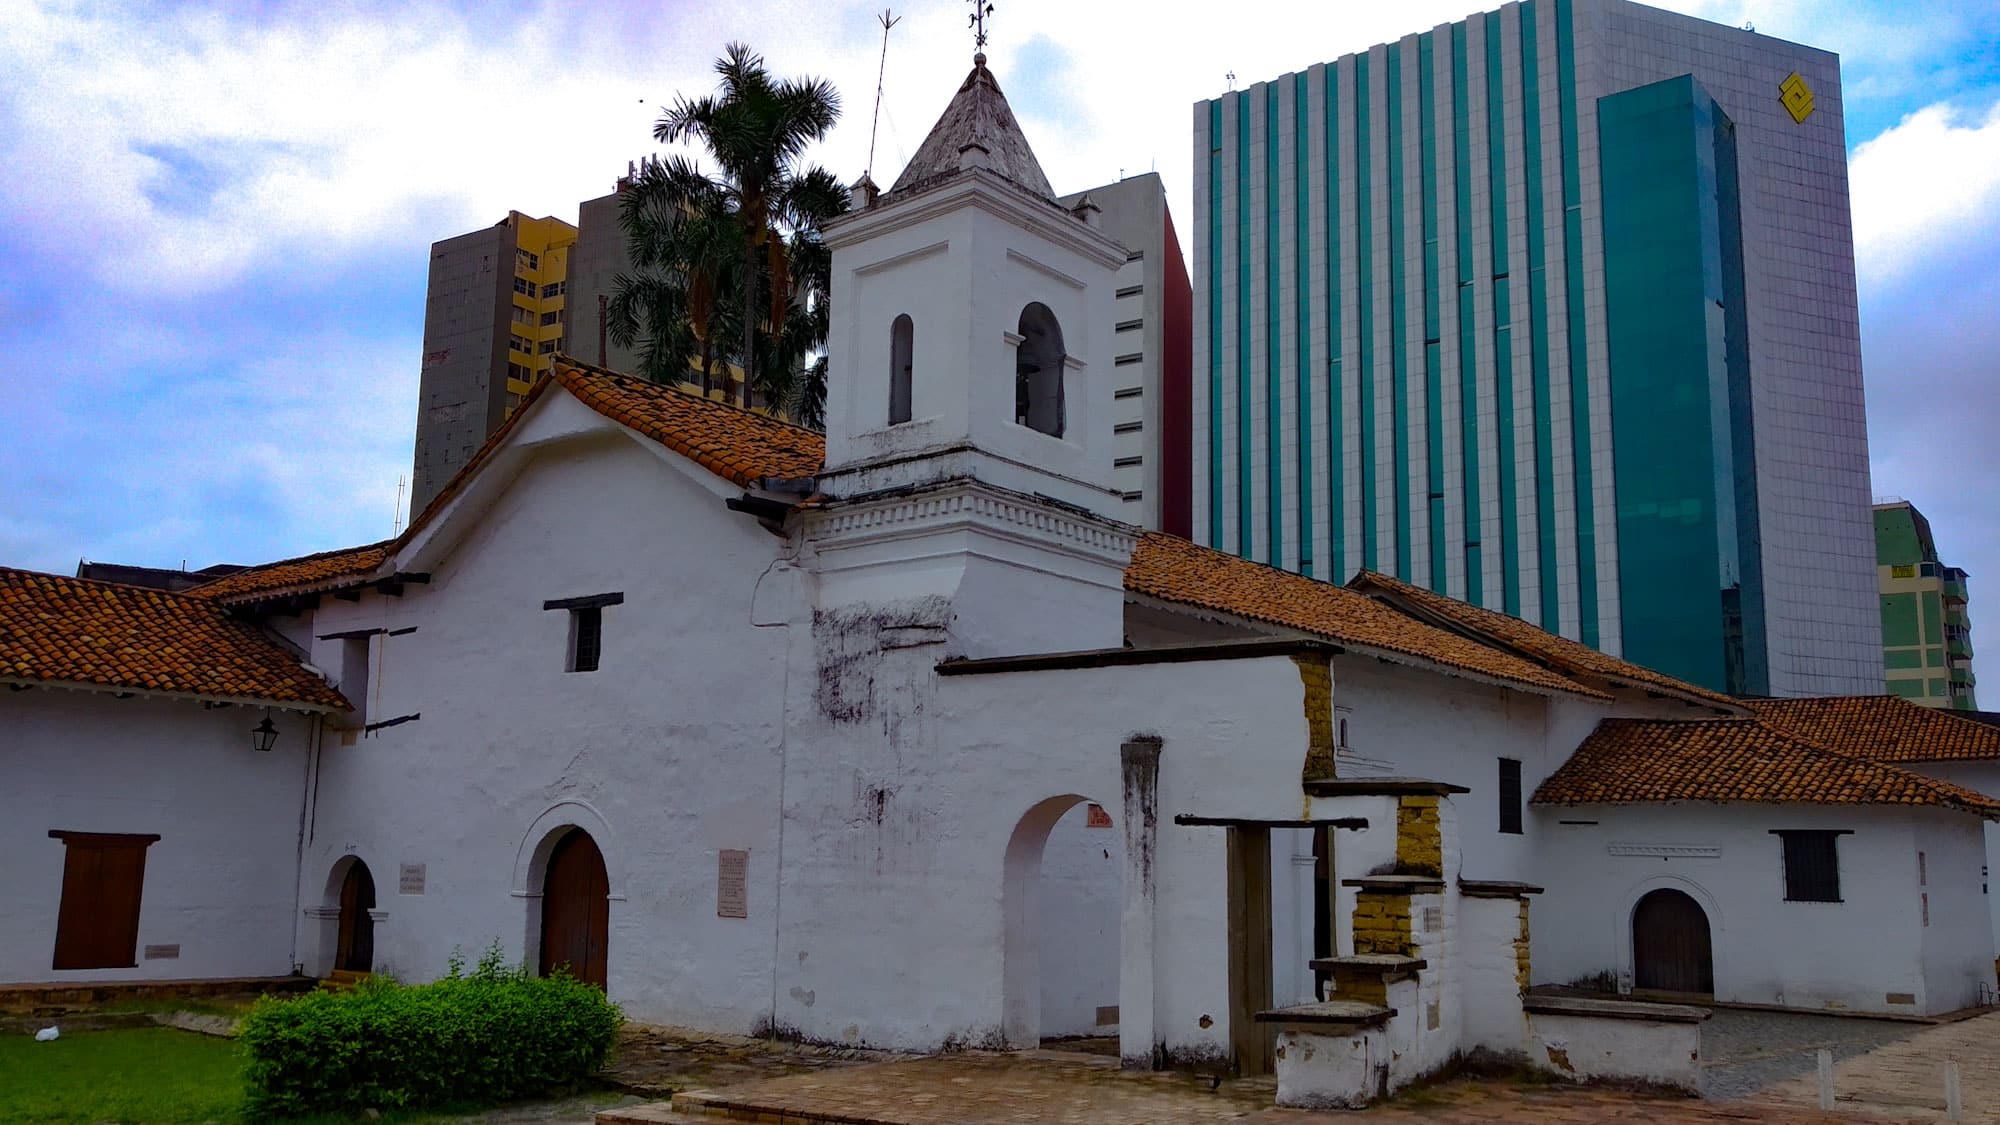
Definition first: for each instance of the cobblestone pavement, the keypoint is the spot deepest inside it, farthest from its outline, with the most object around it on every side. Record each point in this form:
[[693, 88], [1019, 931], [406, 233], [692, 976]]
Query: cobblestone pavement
[[1904, 1080], [1745, 1051], [1062, 1087]]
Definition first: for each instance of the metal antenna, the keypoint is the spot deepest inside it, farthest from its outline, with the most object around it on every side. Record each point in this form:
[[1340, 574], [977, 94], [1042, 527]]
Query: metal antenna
[[888, 20], [980, 10]]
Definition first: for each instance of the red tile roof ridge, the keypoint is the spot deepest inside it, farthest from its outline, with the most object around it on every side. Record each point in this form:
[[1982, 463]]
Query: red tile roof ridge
[[1735, 759], [1565, 655], [1179, 570], [62, 630]]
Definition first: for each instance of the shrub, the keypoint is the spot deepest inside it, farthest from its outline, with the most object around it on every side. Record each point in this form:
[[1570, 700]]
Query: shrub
[[492, 1035]]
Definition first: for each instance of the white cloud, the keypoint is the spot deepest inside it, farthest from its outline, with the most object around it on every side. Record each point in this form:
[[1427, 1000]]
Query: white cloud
[[1929, 186]]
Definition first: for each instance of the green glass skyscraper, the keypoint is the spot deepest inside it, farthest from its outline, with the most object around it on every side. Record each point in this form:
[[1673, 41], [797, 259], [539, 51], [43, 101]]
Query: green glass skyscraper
[[1553, 310]]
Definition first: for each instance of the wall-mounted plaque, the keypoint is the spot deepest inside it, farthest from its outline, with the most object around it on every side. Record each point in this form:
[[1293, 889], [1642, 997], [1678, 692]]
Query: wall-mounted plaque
[[163, 952], [410, 879], [732, 876], [1096, 817]]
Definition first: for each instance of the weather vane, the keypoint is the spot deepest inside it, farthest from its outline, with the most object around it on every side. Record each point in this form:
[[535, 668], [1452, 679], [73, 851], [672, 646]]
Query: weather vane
[[980, 10]]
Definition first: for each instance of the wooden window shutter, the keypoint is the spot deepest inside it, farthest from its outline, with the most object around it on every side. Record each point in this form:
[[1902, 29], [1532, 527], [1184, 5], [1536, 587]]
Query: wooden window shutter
[[97, 923]]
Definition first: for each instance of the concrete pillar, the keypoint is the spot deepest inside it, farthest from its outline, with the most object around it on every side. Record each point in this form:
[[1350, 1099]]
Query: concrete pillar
[[1138, 1039]]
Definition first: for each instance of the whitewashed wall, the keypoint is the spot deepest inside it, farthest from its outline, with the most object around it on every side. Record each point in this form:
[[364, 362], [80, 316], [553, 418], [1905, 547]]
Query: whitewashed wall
[[1082, 896], [1846, 955], [218, 882], [665, 755], [898, 843], [1985, 778]]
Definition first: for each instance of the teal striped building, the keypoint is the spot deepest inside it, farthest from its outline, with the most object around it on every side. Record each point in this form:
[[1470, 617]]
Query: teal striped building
[[1551, 309]]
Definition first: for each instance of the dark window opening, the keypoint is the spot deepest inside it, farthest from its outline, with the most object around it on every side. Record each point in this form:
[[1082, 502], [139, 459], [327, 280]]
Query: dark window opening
[[1038, 372], [1510, 795], [901, 357], [586, 638], [1812, 865], [97, 921]]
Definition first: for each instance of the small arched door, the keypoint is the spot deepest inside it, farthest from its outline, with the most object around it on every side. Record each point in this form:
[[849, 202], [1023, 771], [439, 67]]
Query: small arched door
[[1670, 945], [354, 948], [576, 909]]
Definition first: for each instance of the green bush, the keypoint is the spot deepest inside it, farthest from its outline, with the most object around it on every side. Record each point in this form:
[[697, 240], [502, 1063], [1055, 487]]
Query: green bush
[[492, 1035]]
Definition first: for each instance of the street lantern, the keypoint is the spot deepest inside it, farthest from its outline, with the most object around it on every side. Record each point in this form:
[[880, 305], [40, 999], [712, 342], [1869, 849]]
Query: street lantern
[[263, 735]]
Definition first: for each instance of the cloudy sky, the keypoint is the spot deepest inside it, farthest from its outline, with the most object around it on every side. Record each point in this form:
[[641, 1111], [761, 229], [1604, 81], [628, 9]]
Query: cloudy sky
[[215, 219]]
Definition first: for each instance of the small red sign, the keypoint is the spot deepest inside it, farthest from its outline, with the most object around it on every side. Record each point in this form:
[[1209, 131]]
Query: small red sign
[[1098, 817]]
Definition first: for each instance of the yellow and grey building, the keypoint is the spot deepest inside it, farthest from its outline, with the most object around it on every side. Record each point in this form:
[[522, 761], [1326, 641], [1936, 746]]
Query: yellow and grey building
[[495, 316], [1926, 634]]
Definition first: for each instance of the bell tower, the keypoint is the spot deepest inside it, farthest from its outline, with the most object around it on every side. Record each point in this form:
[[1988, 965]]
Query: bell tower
[[972, 316], [969, 360]]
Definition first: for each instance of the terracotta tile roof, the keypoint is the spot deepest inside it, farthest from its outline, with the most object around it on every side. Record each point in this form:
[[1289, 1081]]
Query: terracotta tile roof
[[1881, 728], [1173, 569], [324, 570], [74, 631], [1566, 656], [1637, 761], [740, 446]]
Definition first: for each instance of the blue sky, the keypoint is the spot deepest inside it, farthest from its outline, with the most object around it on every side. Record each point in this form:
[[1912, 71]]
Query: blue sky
[[216, 220]]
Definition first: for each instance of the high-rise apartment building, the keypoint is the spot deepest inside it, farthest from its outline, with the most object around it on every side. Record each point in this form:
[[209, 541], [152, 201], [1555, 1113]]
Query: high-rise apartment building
[[494, 318], [1926, 633], [599, 257], [1551, 309], [1153, 366]]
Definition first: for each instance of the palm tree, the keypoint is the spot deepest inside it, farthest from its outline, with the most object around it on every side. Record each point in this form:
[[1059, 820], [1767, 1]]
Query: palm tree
[[750, 230]]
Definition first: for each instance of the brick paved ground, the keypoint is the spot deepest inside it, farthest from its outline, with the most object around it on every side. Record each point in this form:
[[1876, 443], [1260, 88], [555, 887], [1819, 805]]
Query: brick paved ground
[[1062, 1087], [1903, 1080]]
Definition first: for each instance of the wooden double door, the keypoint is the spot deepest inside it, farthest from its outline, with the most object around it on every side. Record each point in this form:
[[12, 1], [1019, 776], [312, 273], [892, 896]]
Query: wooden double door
[[576, 909]]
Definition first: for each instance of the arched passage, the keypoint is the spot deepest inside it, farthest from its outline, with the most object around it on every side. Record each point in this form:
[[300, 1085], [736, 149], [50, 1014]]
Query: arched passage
[[1062, 899], [1671, 950], [576, 909], [354, 931], [1039, 360]]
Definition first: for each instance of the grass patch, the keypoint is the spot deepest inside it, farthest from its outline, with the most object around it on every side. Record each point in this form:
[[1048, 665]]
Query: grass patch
[[154, 1075], [160, 1076]]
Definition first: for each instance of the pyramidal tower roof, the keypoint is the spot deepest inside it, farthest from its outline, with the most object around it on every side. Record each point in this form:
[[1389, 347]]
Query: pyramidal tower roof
[[977, 130]]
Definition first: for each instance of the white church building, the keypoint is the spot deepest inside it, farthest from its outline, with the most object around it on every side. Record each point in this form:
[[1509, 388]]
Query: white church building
[[900, 737]]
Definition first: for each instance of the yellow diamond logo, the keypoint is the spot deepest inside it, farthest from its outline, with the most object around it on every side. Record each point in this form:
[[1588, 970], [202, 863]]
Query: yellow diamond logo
[[1797, 97]]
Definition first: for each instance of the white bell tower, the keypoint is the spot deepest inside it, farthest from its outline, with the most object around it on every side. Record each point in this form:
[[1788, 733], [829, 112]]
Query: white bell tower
[[969, 363], [972, 319]]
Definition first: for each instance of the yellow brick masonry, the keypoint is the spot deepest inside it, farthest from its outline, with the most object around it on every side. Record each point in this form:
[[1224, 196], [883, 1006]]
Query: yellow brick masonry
[[1382, 924], [1316, 673], [1419, 843]]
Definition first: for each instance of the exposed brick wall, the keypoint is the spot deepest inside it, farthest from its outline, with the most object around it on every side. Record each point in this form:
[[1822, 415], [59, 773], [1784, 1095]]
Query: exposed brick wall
[[1382, 924], [1419, 843], [1316, 673]]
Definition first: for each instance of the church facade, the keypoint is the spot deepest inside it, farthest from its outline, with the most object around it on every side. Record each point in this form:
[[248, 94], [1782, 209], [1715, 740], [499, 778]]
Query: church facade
[[901, 737]]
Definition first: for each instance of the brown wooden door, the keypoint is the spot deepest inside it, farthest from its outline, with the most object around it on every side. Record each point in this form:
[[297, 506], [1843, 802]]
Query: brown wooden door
[[97, 924], [576, 909], [355, 950], [1670, 945]]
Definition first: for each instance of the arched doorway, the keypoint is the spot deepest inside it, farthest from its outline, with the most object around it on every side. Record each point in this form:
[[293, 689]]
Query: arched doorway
[[354, 943], [1670, 944], [576, 909], [1062, 898]]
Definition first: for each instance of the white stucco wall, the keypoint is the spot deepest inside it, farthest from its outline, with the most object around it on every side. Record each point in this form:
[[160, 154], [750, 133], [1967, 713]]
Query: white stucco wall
[[1846, 955], [1985, 778], [1617, 1050], [1082, 896], [899, 841], [218, 882], [666, 754]]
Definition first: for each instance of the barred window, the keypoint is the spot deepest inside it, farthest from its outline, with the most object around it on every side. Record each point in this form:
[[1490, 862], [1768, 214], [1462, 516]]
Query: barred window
[[1812, 865]]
